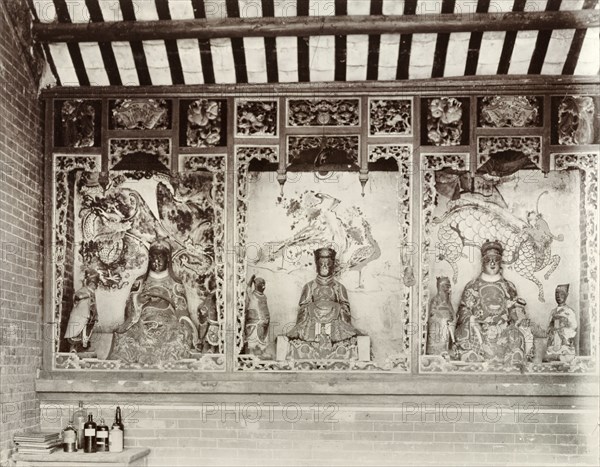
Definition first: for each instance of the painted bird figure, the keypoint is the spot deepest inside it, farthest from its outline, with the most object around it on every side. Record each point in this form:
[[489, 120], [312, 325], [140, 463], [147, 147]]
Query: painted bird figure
[[363, 255]]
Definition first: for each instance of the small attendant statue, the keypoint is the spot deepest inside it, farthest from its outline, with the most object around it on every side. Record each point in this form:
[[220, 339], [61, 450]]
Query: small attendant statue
[[440, 324], [562, 329], [257, 316], [84, 315]]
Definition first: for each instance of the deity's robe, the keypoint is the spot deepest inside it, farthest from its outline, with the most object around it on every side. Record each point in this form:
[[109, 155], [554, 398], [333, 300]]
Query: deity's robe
[[441, 317], [324, 309], [158, 327], [493, 334], [257, 320]]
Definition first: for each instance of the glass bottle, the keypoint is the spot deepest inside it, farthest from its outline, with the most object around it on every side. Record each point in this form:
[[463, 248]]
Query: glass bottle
[[118, 420], [69, 436], [79, 418], [89, 435], [101, 437], [115, 440]]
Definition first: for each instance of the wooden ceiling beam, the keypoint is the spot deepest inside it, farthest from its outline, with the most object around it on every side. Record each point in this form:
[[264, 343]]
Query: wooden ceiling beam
[[313, 26]]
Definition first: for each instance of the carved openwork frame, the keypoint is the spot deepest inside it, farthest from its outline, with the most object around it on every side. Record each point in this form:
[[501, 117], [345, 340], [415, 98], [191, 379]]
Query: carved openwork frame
[[588, 165], [62, 166], [531, 146]]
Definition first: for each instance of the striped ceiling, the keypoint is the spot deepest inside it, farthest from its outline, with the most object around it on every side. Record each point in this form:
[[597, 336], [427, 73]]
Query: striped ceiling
[[322, 58]]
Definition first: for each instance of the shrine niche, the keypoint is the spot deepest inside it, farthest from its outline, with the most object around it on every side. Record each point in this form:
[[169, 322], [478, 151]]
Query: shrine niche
[[496, 255], [320, 275], [139, 265]]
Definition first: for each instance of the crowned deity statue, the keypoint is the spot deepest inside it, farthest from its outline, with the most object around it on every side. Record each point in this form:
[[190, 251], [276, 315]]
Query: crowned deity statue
[[157, 324], [324, 309], [562, 329], [491, 320], [440, 323]]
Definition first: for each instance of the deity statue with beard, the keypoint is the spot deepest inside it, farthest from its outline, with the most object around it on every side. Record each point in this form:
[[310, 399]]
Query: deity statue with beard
[[157, 325], [491, 321], [324, 310]]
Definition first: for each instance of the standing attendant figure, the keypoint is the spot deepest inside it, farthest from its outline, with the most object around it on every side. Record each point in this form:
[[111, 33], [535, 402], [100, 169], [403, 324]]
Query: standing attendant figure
[[441, 321], [562, 329], [84, 314]]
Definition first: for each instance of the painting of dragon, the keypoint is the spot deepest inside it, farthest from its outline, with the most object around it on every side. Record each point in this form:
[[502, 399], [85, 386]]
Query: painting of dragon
[[469, 222]]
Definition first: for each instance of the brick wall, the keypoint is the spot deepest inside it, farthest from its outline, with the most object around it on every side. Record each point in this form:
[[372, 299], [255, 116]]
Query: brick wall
[[21, 226], [327, 434]]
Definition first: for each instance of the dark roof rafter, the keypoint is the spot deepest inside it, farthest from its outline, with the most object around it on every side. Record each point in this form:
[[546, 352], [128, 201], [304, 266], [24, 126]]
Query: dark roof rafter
[[303, 26]]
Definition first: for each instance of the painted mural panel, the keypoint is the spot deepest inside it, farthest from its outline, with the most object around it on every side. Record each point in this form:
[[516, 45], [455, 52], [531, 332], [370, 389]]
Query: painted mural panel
[[139, 282], [321, 283], [505, 275]]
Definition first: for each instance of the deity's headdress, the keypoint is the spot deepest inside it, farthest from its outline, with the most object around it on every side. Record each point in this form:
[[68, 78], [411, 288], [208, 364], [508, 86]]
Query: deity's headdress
[[160, 246], [441, 279], [563, 288], [91, 275], [324, 253], [489, 246]]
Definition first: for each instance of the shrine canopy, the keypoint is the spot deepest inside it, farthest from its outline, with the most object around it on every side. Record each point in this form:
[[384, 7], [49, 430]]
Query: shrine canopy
[[189, 42]]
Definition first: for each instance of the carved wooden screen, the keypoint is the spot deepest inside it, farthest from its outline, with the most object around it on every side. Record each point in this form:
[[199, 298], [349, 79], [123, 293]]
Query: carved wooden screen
[[243, 195]]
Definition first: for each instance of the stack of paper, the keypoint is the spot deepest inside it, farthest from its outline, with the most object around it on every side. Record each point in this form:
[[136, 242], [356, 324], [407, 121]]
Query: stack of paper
[[42, 442]]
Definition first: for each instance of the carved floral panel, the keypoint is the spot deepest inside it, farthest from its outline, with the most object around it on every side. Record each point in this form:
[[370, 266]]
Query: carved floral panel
[[390, 116], [575, 120], [140, 114], [445, 121], [255, 117], [510, 111], [323, 112], [77, 123], [203, 123]]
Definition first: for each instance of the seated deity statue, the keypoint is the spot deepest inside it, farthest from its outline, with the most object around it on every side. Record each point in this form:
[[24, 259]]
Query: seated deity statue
[[562, 329], [257, 317], [491, 320], [323, 328], [157, 324], [84, 314], [324, 306]]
